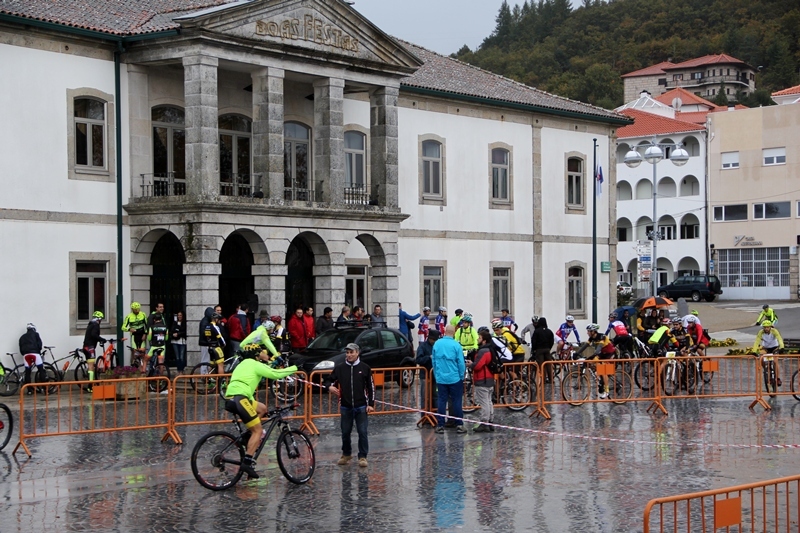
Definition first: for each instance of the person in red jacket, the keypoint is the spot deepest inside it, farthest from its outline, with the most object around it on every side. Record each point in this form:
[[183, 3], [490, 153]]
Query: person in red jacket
[[311, 324], [483, 380], [238, 327], [697, 334], [298, 336]]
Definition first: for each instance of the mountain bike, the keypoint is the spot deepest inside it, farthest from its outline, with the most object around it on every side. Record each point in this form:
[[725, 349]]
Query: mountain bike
[[154, 369], [108, 359], [771, 382], [515, 394], [217, 457], [6, 425], [205, 379], [576, 387], [644, 373], [678, 374], [76, 358], [13, 379], [564, 354]]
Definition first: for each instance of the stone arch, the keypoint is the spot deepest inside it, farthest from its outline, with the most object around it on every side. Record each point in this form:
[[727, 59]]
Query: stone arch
[[309, 275], [644, 189], [143, 241]]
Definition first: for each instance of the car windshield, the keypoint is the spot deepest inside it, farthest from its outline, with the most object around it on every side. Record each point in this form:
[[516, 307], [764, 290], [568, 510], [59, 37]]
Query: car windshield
[[334, 339]]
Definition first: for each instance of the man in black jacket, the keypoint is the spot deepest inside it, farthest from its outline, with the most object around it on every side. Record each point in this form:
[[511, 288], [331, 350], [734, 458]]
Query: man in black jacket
[[352, 382], [203, 340], [30, 346]]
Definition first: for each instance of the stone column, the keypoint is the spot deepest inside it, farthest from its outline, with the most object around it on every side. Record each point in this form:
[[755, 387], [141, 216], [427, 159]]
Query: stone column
[[383, 146], [202, 121], [386, 291], [270, 282], [329, 174], [268, 112], [329, 291], [141, 135], [202, 270]]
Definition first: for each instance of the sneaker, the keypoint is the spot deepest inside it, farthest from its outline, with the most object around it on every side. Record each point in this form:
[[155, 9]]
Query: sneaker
[[480, 428], [362, 462], [461, 430], [450, 424], [603, 395], [779, 382], [490, 428], [248, 467], [439, 429], [343, 460], [88, 389]]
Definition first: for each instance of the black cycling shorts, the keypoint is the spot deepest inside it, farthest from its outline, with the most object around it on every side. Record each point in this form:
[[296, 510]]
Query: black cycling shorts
[[246, 409]]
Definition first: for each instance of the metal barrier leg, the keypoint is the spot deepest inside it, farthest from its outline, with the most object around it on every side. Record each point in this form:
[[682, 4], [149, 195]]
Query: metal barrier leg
[[541, 410], [656, 404], [308, 426], [759, 390], [21, 425], [427, 418]]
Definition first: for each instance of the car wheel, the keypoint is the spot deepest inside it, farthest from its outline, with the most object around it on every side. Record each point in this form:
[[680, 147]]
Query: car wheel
[[405, 378], [663, 294], [696, 296], [710, 298]]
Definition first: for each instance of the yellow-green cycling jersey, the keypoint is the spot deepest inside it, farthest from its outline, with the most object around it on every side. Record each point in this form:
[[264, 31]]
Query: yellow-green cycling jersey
[[248, 374], [769, 340], [467, 337], [138, 323], [260, 336]]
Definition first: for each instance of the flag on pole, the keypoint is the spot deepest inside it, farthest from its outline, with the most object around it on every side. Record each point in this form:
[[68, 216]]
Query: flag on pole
[[599, 181]]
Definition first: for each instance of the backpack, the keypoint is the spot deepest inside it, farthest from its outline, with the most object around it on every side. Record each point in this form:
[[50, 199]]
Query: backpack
[[496, 364], [519, 341], [504, 350]]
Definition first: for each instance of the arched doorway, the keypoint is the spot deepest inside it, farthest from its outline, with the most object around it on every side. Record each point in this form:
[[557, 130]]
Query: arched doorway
[[168, 283], [236, 283], [300, 283]]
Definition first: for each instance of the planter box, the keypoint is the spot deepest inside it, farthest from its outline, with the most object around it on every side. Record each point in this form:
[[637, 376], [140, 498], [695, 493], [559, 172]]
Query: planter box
[[131, 390], [104, 392]]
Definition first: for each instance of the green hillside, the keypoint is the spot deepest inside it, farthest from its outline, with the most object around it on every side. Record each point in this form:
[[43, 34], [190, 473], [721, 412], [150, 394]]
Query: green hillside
[[581, 53]]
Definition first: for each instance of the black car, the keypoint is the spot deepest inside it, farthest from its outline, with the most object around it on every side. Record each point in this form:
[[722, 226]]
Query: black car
[[380, 347], [694, 287]]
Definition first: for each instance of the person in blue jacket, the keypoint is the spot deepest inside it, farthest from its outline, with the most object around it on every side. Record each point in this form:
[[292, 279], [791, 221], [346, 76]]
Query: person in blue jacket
[[404, 326]]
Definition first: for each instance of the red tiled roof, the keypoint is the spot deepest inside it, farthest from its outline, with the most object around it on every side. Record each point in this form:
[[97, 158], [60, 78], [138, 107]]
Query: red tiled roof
[[695, 117], [686, 97], [787, 92], [706, 60], [650, 124], [649, 71]]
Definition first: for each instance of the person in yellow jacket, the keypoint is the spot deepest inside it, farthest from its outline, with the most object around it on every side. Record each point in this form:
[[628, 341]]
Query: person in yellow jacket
[[136, 324], [767, 313], [466, 335], [769, 340]]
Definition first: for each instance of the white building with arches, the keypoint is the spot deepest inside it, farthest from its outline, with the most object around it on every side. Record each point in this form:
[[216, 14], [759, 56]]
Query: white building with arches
[[680, 195]]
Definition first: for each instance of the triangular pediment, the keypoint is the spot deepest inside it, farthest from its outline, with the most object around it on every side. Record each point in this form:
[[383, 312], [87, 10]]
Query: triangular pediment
[[323, 27]]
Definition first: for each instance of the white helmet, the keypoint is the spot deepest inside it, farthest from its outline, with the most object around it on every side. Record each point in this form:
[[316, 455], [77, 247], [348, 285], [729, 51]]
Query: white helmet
[[570, 318], [691, 319], [269, 325]]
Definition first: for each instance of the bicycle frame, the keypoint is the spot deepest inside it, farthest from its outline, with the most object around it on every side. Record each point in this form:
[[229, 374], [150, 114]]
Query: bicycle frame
[[274, 419]]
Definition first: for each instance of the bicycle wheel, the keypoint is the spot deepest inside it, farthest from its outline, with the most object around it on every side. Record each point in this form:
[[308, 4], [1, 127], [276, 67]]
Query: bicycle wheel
[[575, 387], [796, 385], [6, 425], [50, 376], [620, 386], [770, 383], [469, 405], [159, 370], [556, 368], [81, 372], [516, 395], [287, 389], [645, 375], [204, 378], [100, 366], [693, 385], [10, 382], [671, 379], [216, 460], [295, 456]]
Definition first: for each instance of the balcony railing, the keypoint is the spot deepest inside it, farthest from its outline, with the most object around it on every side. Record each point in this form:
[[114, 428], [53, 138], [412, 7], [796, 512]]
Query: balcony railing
[[162, 184], [239, 184], [356, 195], [300, 194]]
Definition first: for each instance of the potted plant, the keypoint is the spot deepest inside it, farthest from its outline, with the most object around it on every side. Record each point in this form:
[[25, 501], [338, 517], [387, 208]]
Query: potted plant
[[125, 390]]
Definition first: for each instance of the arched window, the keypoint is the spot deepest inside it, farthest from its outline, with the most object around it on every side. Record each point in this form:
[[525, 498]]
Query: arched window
[[234, 156], [169, 151], [297, 162], [575, 288]]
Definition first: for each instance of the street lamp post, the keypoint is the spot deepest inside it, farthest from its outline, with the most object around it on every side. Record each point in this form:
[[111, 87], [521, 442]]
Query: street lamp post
[[653, 154]]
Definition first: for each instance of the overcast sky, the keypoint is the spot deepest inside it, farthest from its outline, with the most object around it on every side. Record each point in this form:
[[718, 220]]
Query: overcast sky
[[443, 26]]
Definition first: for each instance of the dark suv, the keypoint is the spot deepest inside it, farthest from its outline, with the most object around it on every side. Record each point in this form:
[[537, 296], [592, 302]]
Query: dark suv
[[380, 347], [694, 287]]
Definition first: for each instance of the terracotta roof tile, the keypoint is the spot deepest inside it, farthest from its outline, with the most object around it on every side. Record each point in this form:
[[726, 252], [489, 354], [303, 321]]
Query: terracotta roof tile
[[448, 75], [649, 71], [686, 97], [650, 124], [787, 92], [714, 59]]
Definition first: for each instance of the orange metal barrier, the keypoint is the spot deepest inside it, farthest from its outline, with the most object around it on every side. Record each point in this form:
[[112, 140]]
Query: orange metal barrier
[[196, 400], [724, 376], [787, 371], [516, 389], [63, 408], [772, 505], [392, 395], [626, 380]]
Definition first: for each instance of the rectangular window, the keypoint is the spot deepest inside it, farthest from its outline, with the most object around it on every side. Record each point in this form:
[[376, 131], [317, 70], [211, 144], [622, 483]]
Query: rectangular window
[[666, 233], [432, 283], [774, 156], [730, 160], [772, 210], [697, 75], [431, 169], [622, 234], [501, 289], [500, 185], [575, 183], [677, 77], [355, 286], [690, 231], [725, 213], [91, 285], [575, 290]]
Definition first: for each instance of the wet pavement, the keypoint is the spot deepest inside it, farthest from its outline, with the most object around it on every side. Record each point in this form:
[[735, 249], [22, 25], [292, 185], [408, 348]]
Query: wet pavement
[[564, 478]]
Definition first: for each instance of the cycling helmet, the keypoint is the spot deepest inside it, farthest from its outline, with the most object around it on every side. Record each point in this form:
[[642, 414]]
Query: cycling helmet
[[31, 326], [692, 319], [426, 308], [570, 318], [136, 306], [98, 314], [765, 306], [276, 319], [497, 323], [767, 323], [612, 316], [251, 351], [482, 329], [466, 317], [534, 319], [665, 320], [676, 320], [442, 309], [269, 325], [592, 327], [694, 312], [216, 316]]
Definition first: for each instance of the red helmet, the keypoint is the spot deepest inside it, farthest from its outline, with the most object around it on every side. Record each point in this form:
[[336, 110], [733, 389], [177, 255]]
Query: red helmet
[[275, 318]]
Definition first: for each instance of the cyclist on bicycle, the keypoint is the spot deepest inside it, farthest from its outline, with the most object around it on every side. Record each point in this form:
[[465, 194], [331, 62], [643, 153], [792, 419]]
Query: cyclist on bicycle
[[216, 342], [663, 338], [90, 341], [136, 324], [696, 332], [30, 346], [466, 335], [511, 341], [769, 340], [692, 313], [602, 349], [767, 314], [508, 320], [244, 381], [564, 331], [262, 337], [681, 335], [157, 336], [622, 337]]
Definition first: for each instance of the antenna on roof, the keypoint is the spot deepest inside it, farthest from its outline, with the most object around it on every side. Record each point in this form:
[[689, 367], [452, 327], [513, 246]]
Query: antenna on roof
[[677, 103]]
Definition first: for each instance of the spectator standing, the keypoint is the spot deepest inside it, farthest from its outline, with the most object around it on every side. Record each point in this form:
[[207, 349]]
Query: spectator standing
[[310, 321], [205, 355], [407, 324], [177, 337], [298, 336], [345, 314], [424, 354], [352, 382], [377, 315], [357, 316], [483, 380], [238, 327], [542, 341], [30, 346], [324, 321], [441, 320], [263, 316], [449, 369], [457, 318], [222, 325]]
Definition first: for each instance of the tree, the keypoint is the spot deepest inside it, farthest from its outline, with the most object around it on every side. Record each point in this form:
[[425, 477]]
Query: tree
[[721, 98]]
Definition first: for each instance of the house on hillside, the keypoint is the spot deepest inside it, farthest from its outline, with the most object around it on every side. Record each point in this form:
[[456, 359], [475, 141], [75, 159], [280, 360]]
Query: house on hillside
[[285, 153]]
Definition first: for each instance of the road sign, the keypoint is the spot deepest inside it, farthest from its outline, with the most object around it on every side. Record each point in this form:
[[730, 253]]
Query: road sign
[[644, 259], [605, 266]]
